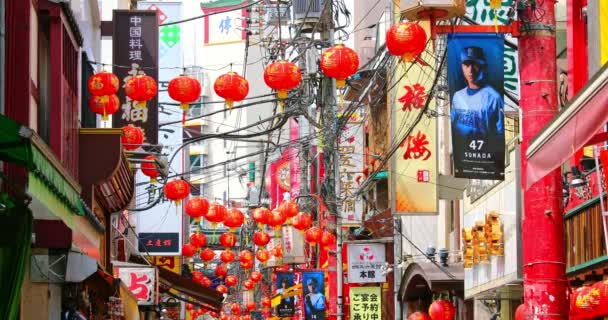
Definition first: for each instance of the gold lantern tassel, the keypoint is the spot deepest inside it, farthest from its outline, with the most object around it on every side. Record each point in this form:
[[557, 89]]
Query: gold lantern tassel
[[104, 117], [141, 104], [184, 106], [229, 104]]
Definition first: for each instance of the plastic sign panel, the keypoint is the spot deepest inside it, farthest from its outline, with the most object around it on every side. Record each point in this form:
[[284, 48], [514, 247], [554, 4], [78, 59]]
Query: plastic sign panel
[[365, 303], [286, 307], [365, 263], [141, 281]]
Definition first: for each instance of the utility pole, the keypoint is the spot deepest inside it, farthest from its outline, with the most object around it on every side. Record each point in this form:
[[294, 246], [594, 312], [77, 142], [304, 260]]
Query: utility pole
[[544, 262]]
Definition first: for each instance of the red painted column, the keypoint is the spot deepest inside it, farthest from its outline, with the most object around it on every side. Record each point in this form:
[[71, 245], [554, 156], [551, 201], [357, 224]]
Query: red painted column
[[544, 254]]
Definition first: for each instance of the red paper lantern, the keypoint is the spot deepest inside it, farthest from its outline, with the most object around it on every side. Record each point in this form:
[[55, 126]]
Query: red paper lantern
[[227, 239], [313, 235], [246, 264], [282, 76], [276, 219], [132, 137], [249, 284], [442, 310], [302, 221], [232, 87], [234, 218], [223, 317], [262, 255], [266, 302], [261, 215], [245, 256], [141, 88], [104, 105], [197, 276], [207, 255], [261, 238], [250, 306], [188, 250], [231, 280], [328, 239], [149, 168], [520, 312], [206, 282], [289, 208], [406, 40], [255, 276], [339, 62], [197, 207], [103, 84], [278, 251], [227, 256], [198, 240], [221, 270], [216, 213], [213, 314], [222, 289], [177, 190], [189, 306], [184, 89], [235, 309], [419, 316]]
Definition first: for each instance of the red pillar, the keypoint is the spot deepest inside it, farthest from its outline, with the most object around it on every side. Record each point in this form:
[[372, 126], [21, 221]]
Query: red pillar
[[544, 255]]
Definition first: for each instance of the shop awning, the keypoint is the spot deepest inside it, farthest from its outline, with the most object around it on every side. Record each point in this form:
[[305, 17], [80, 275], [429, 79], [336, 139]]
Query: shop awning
[[211, 299], [422, 279], [570, 130]]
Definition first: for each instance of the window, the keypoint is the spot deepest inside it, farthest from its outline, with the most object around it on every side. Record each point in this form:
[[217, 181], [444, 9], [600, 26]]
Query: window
[[88, 117], [44, 80]]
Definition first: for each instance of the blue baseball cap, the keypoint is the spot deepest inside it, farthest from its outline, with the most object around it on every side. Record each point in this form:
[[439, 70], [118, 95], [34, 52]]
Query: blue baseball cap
[[473, 54]]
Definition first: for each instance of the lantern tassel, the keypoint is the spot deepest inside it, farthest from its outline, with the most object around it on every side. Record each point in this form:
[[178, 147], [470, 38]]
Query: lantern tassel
[[184, 106], [229, 104], [104, 117]]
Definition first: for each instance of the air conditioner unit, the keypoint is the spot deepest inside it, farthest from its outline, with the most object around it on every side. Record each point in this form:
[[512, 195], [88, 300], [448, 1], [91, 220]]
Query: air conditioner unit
[[272, 16], [307, 12]]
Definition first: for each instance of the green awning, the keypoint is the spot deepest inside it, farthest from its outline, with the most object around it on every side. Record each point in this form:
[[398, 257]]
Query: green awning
[[221, 3], [22, 146]]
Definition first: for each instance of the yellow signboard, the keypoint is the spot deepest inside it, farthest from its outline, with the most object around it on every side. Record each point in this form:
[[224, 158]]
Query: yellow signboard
[[365, 303], [170, 263]]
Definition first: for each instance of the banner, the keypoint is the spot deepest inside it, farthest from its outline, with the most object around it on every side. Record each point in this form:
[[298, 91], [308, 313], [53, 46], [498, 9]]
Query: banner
[[350, 149], [287, 306], [365, 303], [475, 81], [313, 286], [414, 127], [365, 263], [141, 281]]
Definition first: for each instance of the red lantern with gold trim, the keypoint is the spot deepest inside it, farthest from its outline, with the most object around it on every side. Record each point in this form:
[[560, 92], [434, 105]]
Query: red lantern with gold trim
[[197, 207], [197, 276], [442, 310], [520, 312], [289, 209], [216, 213], [406, 40], [177, 190], [261, 238], [231, 280], [245, 256], [262, 256], [266, 302], [221, 289], [261, 216], [246, 265], [234, 218], [282, 76], [141, 88], [206, 282], [227, 240], [104, 105], [339, 62], [221, 270], [313, 235], [227, 256], [188, 250], [189, 306], [249, 284], [207, 255], [103, 84], [277, 251], [149, 168], [235, 309], [232, 87], [276, 219], [419, 316], [198, 240], [302, 221], [184, 89], [250, 306], [328, 239], [132, 137], [255, 276]]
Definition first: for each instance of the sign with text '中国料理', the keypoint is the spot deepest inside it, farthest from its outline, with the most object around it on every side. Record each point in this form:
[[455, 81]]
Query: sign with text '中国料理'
[[365, 303], [365, 263]]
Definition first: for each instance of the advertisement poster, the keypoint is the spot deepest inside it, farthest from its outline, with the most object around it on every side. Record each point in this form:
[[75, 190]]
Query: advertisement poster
[[365, 263], [476, 81], [415, 130], [365, 303], [287, 306], [313, 287]]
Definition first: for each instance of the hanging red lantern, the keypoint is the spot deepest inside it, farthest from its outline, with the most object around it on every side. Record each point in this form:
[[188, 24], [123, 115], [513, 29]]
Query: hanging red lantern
[[213, 314], [282, 76], [276, 220], [246, 265], [132, 137], [313, 235], [206, 282], [245, 256], [223, 316], [266, 302], [274, 277], [328, 239], [103, 84], [149, 168], [262, 256], [406, 40], [189, 306], [198, 240], [184, 89], [177, 190], [207, 255], [339, 62], [197, 207], [234, 218], [419, 316], [289, 208], [141, 88], [197, 276], [104, 105], [520, 312], [221, 270], [261, 216], [227, 239], [231, 280], [250, 306], [188, 250], [216, 214], [277, 251], [227, 256], [255, 276], [222, 289], [249, 284], [261, 238], [442, 310], [302, 221], [235, 309], [232, 87]]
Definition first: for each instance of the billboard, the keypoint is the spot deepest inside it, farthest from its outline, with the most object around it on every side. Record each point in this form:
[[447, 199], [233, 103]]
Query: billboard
[[475, 82], [287, 306], [313, 287], [365, 303], [414, 174], [365, 263]]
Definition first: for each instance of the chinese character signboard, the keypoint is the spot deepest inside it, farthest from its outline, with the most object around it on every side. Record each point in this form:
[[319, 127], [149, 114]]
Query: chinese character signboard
[[365, 263], [287, 306], [158, 242], [135, 52], [313, 287], [350, 150], [293, 245], [475, 81], [227, 25], [414, 166], [141, 281], [365, 303]]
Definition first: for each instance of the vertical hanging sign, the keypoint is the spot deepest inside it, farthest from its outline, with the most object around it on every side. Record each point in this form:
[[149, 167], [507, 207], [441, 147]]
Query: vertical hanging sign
[[350, 150], [135, 51]]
